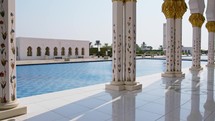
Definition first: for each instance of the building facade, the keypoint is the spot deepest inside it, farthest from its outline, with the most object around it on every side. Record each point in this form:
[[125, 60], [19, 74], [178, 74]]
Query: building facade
[[40, 48]]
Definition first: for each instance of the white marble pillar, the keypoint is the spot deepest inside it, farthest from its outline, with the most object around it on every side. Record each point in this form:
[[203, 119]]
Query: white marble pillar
[[195, 114], [8, 100], [173, 11], [117, 55], [196, 54], [170, 50], [209, 105], [211, 38], [196, 19], [124, 46], [180, 8], [210, 15], [178, 45], [130, 38]]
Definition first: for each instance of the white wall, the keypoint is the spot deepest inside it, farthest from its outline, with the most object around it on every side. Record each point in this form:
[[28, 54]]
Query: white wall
[[23, 43]]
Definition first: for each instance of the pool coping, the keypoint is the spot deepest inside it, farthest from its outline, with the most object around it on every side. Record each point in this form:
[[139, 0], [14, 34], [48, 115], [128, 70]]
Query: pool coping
[[86, 60]]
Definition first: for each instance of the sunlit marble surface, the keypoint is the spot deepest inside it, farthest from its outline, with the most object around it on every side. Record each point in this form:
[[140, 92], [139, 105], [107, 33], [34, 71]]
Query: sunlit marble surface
[[161, 99]]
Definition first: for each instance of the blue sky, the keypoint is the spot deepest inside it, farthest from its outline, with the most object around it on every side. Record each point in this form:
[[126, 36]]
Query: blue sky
[[92, 20]]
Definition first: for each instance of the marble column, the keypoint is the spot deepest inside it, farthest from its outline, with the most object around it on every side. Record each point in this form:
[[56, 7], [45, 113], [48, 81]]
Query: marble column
[[210, 15], [8, 100], [130, 48], [173, 11], [209, 114], [211, 38], [117, 55], [180, 8], [195, 114], [196, 19], [124, 46]]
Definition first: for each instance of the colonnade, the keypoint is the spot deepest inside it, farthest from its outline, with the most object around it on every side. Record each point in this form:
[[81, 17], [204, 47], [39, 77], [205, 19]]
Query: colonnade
[[173, 11], [124, 46]]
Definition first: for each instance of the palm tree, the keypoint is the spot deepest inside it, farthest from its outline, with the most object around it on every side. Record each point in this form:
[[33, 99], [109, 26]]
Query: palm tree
[[90, 46], [98, 46], [143, 46], [160, 47]]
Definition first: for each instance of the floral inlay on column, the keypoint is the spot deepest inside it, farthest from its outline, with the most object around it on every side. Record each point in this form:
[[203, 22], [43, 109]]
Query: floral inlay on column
[[7, 47]]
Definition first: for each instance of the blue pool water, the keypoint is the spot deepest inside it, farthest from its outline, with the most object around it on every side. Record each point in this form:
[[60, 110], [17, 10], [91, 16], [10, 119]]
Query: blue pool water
[[40, 79]]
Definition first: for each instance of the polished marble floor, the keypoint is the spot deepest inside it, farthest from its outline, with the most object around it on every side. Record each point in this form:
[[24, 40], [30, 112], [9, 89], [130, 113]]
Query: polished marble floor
[[161, 99]]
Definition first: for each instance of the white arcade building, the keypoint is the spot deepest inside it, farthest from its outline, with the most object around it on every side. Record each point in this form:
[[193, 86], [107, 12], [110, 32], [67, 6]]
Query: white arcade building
[[40, 48]]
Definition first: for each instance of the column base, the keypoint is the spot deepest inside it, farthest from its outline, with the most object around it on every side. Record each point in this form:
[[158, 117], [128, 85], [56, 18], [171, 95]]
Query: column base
[[173, 74], [19, 110], [115, 87], [127, 87], [137, 86], [196, 69]]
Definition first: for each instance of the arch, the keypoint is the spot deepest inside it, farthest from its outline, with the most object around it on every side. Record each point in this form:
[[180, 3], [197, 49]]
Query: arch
[[62, 51], [76, 51], [70, 51], [17, 52], [82, 51], [55, 51], [29, 51], [38, 51], [47, 51]]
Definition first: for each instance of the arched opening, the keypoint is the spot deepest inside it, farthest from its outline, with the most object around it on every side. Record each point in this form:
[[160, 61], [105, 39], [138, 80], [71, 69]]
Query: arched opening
[[62, 51], [76, 51], [82, 51], [17, 52], [38, 51], [47, 51], [55, 51], [29, 51], [70, 51]]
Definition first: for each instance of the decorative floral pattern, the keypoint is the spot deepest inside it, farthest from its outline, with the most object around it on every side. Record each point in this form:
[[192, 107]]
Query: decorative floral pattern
[[173, 51], [211, 48], [7, 50], [130, 50], [117, 55], [124, 45], [196, 49]]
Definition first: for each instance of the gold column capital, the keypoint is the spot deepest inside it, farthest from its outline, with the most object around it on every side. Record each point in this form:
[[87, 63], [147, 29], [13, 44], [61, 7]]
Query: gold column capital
[[168, 8], [197, 19], [210, 26], [180, 9]]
